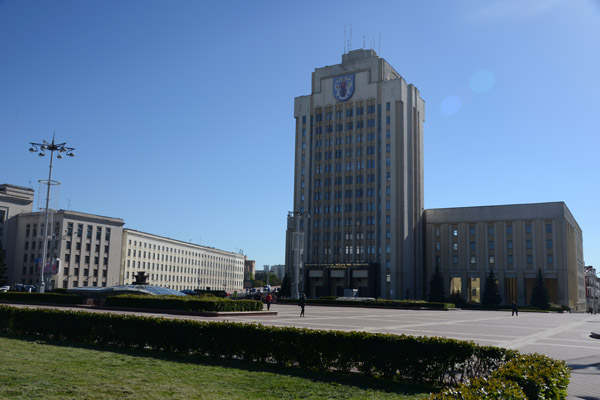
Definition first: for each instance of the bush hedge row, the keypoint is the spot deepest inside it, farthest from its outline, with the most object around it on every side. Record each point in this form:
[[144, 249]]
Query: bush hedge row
[[529, 376], [49, 298], [473, 370], [373, 303], [183, 303]]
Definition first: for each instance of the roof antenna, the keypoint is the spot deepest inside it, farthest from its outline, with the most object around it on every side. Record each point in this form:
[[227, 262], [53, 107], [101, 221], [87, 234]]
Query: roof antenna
[[344, 38], [364, 40], [379, 50], [350, 41]]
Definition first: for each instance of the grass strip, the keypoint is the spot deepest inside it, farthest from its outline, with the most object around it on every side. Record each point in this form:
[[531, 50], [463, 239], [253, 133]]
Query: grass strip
[[56, 370]]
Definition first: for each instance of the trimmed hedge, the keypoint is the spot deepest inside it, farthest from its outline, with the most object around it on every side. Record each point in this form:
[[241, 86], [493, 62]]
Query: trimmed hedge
[[43, 298], [372, 303], [183, 303], [475, 371]]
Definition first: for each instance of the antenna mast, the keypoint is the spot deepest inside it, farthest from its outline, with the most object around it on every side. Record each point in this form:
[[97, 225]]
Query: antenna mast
[[350, 41]]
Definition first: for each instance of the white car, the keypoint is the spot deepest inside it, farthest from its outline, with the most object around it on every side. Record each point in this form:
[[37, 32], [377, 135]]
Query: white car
[[4, 288]]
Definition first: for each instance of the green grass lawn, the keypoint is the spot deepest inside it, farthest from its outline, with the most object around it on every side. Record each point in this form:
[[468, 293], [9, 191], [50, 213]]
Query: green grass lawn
[[53, 370]]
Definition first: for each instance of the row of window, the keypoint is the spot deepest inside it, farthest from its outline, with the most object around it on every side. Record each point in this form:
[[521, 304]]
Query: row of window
[[174, 250], [490, 230], [491, 245], [492, 259]]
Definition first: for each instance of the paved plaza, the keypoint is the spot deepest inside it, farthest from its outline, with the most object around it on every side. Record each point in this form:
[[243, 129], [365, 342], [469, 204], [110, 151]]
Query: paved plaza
[[561, 336]]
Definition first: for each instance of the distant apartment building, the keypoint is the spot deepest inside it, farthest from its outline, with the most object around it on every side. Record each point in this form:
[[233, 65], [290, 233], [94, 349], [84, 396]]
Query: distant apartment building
[[179, 265], [514, 241], [278, 270], [87, 245]]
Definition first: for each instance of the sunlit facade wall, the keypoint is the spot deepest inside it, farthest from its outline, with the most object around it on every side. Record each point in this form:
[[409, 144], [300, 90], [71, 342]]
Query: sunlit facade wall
[[179, 265], [512, 240], [359, 174]]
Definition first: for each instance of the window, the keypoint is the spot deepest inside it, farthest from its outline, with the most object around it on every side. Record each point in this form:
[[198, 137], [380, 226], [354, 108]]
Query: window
[[491, 245], [549, 258], [491, 259], [529, 259], [454, 231], [548, 228], [528, 228], [490, 229], [473, 260], [509, 229], [472, 230], [437, 231], [509, 244], [438, 246], [528, 244], [509, 259], [549, 243], [472, 245], [455, 246], [454, 259]]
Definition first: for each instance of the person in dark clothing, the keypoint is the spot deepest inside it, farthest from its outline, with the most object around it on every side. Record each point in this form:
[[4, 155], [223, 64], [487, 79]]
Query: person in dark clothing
[[515, 309], [302, 304]]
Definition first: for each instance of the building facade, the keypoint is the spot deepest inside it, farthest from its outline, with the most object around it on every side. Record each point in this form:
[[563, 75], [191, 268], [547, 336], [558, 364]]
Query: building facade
[[592, 290], [14, 200], [359, 179], [179, 265], [87, 245], [512, 240]]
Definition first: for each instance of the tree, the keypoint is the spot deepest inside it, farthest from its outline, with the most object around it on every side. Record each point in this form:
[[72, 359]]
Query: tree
[[3, 268], [286, 286], [436, 286], [457, 299], [539, 296], [491, 292]]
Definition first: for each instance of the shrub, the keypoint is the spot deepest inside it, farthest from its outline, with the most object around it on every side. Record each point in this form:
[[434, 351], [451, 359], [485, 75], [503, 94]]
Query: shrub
[[373, 303], [475, 371], [44, 298], [201, 303]]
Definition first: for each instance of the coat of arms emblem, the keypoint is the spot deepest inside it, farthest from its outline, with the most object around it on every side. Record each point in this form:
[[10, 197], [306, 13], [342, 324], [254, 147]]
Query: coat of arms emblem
[[343, 87]]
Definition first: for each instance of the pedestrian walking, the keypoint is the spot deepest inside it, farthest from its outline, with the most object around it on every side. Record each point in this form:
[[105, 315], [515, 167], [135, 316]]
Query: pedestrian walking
[[268, 300], [515, 309], [302, 304]]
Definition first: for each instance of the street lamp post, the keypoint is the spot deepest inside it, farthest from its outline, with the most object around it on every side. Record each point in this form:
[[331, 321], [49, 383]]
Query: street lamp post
[[41, 148]]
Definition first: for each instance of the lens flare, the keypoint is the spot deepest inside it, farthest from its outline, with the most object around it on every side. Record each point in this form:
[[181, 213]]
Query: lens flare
[[482, 81], [451, 105]]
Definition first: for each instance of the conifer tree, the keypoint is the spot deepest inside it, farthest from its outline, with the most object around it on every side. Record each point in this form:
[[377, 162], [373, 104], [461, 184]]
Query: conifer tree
[[539, 296], [286, 286], [3, 269], [436, 286], [491, 291]]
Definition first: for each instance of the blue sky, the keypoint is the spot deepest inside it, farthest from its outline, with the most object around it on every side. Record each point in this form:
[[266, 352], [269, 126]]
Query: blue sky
[[182, 111]]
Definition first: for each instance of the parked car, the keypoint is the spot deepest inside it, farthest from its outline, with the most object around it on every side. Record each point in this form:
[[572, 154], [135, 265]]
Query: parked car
[[4, 288]]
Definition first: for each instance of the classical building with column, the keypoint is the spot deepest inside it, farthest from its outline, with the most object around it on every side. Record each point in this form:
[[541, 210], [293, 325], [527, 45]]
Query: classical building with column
[[359, 178], [14, 200], [514, 241], [85, 249]]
